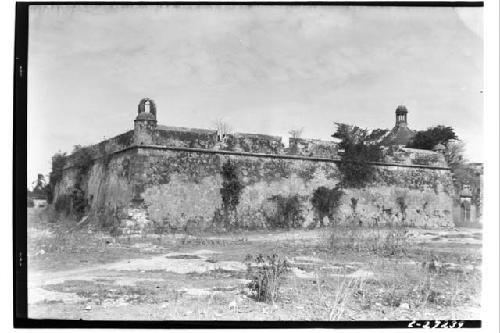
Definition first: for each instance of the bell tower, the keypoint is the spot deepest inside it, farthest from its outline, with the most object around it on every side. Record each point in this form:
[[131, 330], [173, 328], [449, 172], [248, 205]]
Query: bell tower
[[145, 122]]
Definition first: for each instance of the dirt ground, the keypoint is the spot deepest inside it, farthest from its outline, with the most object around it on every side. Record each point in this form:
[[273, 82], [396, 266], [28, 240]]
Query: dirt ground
[[84, 274]]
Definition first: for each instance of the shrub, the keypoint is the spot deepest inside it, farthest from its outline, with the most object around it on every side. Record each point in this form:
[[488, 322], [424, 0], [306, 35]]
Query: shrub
[[266, 275], [326, 201], [82, 158], [230, 191], [355, 165], [401, 202], [288, 213]]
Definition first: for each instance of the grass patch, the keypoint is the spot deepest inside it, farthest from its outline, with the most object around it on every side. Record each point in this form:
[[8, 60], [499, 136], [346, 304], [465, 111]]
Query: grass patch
[[381, 241], [266, 275]]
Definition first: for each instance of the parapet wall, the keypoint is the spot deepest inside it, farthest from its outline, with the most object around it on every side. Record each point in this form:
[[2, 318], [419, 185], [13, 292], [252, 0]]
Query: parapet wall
[[182, 187], [104, 148], [185, 137], [180, 137], [312, 147], [410, 156]]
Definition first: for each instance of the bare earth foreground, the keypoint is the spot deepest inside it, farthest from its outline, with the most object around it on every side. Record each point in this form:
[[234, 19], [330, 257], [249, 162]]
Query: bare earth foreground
[[79, 274]]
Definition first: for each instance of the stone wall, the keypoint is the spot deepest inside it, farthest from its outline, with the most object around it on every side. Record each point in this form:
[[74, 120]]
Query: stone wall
[[185, 137], [411, 156], [107, 183], [312, 147], [180, 187], [252, 143], [105, 147]]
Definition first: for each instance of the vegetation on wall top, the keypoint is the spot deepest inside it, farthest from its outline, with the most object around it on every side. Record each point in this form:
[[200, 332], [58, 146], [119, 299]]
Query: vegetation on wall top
[[58, 162], [82, 157], [432, 136], [355, 166]]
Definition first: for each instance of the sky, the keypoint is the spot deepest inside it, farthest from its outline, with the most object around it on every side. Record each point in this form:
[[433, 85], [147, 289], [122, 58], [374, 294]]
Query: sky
[[262, 69]]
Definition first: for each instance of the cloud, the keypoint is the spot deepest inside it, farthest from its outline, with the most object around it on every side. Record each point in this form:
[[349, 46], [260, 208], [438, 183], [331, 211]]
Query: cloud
[[266, 68]]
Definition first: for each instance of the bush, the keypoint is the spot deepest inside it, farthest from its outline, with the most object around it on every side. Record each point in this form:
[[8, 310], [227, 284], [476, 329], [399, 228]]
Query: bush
[[326, 201], [355, 165], [288, 213], [401, 202], [83, 158], [266, 275], [230, 192]]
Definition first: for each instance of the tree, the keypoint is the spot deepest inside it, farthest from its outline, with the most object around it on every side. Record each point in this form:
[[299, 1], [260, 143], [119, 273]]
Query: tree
[[296, 133], [432, 136], [463, 173], [454, 153], [355, 165], [39, 183], [349, 135], [40, 188], [222, 127]]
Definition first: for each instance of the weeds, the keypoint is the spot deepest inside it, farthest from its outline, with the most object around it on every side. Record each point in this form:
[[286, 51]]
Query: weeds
[[288, 212], [346, 289], [385, 242], [326, 202], [266, 275]]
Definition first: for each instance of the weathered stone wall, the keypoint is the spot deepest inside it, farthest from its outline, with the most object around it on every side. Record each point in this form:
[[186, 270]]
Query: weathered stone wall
[[411, 156], [253, 143], [107, 183], [106, 147], [181, 188], [313, 147], [144, 131], [185, 137]]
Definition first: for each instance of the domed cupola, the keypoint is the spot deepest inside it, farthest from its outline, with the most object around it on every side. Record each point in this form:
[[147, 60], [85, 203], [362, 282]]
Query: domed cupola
[[401, 134], [401, 114]]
